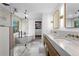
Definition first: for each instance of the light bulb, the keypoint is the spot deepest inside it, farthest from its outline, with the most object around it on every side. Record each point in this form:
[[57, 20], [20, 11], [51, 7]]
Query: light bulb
[[26, 15]]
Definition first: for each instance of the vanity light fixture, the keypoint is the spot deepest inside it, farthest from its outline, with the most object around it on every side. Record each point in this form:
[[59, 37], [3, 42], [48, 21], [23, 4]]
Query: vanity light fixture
[[61, 17]]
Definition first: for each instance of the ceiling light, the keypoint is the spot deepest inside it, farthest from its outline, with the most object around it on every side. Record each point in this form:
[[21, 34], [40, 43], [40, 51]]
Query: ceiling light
[[26, 15]]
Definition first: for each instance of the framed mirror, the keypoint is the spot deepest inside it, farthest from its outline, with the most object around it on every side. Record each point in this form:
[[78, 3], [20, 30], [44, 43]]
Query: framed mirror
[[56, 19], [72, 15], [59, 17]]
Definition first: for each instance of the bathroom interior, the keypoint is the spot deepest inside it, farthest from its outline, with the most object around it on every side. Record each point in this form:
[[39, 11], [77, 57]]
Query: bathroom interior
[[39, 29]]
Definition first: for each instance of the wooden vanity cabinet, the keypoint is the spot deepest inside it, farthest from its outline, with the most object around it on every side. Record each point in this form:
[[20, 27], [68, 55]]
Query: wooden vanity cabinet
[[50, 50]]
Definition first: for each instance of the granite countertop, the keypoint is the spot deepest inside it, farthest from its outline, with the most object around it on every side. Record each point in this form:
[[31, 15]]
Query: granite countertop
[[65, 47]]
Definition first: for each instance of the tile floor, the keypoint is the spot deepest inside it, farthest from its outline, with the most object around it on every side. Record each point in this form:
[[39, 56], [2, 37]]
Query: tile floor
[[34, 48]]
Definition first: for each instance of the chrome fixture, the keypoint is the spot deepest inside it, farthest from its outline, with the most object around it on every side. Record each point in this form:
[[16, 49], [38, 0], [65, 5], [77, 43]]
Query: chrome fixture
[[25, 12]]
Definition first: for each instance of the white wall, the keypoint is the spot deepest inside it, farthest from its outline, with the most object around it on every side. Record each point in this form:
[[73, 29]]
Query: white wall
[[24, 26], [61, 9], [31, 24], [47, 26], [31, 27]]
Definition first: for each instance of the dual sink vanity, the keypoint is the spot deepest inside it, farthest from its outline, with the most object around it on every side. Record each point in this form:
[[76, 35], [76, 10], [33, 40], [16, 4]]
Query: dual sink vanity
[[57, 44], [64, 40]]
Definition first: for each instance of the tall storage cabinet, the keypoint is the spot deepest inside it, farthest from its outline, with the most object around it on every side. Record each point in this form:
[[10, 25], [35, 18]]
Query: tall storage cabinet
[[4, 41]]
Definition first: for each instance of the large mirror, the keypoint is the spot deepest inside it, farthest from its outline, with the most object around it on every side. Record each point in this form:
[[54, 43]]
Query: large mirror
[[56, 19], [59, 17], [72, 15]]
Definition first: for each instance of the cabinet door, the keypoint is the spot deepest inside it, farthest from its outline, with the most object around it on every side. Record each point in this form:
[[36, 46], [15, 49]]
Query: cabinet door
[[4, 41], [51, 50]]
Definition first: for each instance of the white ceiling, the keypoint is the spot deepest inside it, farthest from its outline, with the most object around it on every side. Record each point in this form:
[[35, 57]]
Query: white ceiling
[[34, 8]]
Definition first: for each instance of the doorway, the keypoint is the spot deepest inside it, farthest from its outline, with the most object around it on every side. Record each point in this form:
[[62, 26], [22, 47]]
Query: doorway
[[38, 29]]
